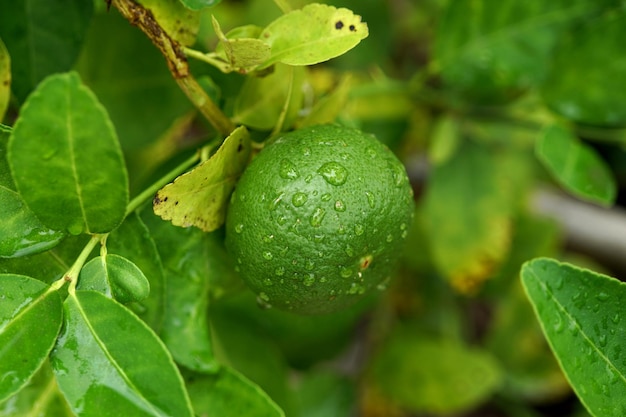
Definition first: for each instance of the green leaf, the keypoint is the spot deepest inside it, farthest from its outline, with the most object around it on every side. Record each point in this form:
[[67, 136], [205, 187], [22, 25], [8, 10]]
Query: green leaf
[[329, 107], [580, 89], [133, 241], [199, 4], [23, 233], [261, 100], [115, 277], [576, 166], [39, 398], [492, 50], [230, 394], [313, 34], [43, 37], [109, 363], [324, 393], [135, 85], [30, 319], [65, 158], [198, 198], [179, 22], [239, 49], [427, 375], [468, 215], [5, 79], [580, 313]]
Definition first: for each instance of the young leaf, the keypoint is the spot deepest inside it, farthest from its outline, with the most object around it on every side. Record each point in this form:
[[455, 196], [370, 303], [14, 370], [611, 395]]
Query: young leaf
[[115, 277], [43, 37], [427, 375], [230, 394], [5, 79], [199, 4], [198, 198], [179, 22], [576, 166], [30, 319], [23, 233], [313, 34], [261, 100], [65, 158], [239, 49], [108, 362], [581, 315]]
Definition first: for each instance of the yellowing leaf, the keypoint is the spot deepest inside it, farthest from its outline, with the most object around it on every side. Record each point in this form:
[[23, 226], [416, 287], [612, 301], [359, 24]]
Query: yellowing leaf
[[314, 34], [198, 198]]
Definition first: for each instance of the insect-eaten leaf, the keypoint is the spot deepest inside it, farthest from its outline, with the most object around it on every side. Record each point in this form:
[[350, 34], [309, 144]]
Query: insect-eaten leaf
[[240, 49], [313, 34], [198, 198]]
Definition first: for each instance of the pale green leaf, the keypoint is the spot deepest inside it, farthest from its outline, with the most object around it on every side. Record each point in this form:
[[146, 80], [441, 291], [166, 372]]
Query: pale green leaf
[[198, 198], [427, 375], [30, 319], [65, 158], [5, 79], [108, 363], [240, 49], [199, 4], [313, 34], [576, 166], [329, 107], [178, 21], [581, 315], [116, 277]]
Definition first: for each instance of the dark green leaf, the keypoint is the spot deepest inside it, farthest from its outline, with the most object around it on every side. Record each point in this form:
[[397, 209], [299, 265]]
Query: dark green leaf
[[65, 158], [133, 241], [576, 165], [199, 197], [116, 277], [43, 37], [587, 76], [230, 394], [30, 319], [434, 376], [109, 363], [135, 85], [323, 394], [5, 79], [199, 4], [581, 314]]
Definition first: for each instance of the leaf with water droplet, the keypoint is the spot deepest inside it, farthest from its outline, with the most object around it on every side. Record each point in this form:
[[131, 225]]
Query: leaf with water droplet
[[313, 34], [30, 320], [198, 198], [576, 166], [591, 329]]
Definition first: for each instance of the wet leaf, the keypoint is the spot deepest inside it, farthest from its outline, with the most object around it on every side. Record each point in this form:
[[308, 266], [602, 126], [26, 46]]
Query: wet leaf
[[440, 376], [198, 198], [313, 34], [576, 166], [230, 394], [30, 319], [5, 79], [178, 21], [43, 37], [581, 315], [108, 359], [115, 277], [65, 158]]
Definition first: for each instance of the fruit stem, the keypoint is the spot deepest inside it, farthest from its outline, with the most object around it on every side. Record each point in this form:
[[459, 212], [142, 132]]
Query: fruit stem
[[176, 59]]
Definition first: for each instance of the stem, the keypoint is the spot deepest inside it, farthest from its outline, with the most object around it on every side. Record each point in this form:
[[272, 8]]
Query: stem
[[149, 192], [72, 275], [174, 54]]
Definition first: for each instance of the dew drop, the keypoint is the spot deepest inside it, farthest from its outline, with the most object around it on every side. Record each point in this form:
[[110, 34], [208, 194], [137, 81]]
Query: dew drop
[[262, 301], [280, 271], [344, 156], [317, 217], [615, 318], [349, 250], [268, 282], [283, 251], [340, 206], [370, 199], [299, 199], [268, 238], [389, 238], [334, 173], [288, 170], [602, 296], [309, 280], [268, 255], [346, 272], [239, 228], [309, 265], [326, 197], [559, 324], [359, 229], [323, 279], [318, 238], [308, 178], [371, 152], [341, 230], [281, 220], [602, 340], [276, 202], [306, 151], [356, 288]]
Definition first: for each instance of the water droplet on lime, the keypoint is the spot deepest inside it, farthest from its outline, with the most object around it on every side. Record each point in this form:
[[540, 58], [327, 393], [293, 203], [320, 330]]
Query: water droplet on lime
[[317, 217], [276, 202], [334, 173], [602, 296], [340, 206], [262, 301], [345, 272], [370, 199], [326, 197], [299, 199], [268, 282], [349, 250], [318, 238], [280, 271], [281, 220], [309, 280], [389, 238], [268, 238], [359, 229], [239, 228], [309, 265], [306, 152], [288, 170], [268, 255]]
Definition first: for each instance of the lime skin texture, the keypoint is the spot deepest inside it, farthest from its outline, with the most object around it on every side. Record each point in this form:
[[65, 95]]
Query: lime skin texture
[[318, 219]]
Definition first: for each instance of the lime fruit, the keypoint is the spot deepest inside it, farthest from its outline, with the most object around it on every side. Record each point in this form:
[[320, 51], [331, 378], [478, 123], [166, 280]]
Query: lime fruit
[[318, 219]]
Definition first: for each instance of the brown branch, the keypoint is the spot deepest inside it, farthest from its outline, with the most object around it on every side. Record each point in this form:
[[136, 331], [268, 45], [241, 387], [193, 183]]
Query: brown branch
[[143, 18]]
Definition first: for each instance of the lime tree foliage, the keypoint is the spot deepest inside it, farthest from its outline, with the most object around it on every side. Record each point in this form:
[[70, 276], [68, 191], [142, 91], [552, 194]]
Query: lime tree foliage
[[289, 208]]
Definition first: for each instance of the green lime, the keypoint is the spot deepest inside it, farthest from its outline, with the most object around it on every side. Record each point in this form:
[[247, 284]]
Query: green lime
[[318, 219]]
